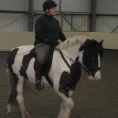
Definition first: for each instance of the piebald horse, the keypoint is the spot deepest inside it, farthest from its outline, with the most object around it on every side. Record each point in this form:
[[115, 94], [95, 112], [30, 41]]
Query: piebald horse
[[64, 72]]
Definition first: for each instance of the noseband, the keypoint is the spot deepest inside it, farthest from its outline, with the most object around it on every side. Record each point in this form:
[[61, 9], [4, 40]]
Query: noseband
[[88, 70]]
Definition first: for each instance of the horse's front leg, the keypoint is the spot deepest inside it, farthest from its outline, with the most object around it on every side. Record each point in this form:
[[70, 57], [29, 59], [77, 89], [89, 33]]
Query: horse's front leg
[[66, 106], [20, 98]]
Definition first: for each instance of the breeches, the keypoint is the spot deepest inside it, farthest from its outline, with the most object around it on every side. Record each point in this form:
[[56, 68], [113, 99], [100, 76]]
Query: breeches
[[41, 51]]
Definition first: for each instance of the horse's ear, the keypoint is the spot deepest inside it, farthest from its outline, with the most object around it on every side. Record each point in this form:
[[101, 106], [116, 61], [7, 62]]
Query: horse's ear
[[99, 45], [76, 60], [101, 42], [81, 48]]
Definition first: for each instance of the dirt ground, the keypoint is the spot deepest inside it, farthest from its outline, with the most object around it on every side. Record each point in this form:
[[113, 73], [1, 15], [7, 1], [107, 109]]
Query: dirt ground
[[93, 99]]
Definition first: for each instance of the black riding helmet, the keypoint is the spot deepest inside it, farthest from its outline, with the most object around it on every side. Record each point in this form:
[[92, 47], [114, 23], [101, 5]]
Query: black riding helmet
[[48, 4]]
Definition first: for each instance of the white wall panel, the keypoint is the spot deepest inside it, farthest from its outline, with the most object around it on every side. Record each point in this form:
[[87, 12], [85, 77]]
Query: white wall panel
[[13, 22], [80, 22], [37, 4], [76, 5], [107, 6], [66, 26], [18, 5], [106, 24]]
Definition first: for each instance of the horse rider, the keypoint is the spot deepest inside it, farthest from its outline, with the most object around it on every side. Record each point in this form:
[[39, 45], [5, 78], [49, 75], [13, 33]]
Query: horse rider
[[47, 33]]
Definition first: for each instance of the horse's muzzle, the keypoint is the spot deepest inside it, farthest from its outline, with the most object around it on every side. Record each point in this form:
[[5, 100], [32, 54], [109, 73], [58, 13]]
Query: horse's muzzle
[[94, 73]]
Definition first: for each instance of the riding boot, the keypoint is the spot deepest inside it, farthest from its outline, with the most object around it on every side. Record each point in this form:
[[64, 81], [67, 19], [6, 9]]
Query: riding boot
[[38, 69]]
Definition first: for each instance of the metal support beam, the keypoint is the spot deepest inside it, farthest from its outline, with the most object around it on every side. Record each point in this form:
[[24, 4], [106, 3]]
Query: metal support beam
[[30, 16], [93, 16], [114, 29]]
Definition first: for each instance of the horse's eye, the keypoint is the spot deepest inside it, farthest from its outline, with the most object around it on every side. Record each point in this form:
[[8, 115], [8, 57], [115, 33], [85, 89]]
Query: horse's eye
[[92, 58]]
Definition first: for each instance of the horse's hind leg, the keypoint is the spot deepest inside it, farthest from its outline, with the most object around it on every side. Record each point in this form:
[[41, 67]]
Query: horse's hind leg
[[66, 106], [16, 95], [20, 98]]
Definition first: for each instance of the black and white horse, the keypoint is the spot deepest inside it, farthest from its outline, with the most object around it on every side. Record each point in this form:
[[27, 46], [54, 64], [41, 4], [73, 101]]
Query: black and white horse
[[64, 73]]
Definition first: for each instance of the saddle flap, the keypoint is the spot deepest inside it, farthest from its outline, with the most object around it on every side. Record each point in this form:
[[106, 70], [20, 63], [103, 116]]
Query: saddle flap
[[47, 61]]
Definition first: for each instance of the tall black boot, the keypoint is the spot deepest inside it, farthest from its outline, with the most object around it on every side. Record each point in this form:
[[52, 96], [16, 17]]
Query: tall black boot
[[38, 69]]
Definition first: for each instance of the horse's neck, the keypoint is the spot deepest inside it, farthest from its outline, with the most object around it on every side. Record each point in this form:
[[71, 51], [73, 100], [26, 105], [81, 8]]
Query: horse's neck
[[72, 51], [71, 46]]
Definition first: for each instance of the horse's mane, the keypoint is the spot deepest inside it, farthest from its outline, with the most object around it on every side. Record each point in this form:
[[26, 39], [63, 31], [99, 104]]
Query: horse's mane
[[73, 40]]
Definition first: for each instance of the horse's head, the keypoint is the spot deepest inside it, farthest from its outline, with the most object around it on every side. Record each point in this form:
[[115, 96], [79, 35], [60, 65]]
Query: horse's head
[[92, 54]]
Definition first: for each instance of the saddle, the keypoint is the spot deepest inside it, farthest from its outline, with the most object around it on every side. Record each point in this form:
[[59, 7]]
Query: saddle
[[46, 65]]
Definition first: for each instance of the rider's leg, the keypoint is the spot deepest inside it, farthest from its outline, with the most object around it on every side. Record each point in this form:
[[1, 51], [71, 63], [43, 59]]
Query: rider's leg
[[41, 51], [38, 74]]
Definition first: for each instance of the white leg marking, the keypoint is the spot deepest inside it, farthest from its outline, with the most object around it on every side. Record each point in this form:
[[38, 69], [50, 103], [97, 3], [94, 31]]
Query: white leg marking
[[20, 97], [66, 106], [62, 108], [10, 108]]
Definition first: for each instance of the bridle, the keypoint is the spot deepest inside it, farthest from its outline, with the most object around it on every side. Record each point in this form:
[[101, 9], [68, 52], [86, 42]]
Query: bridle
[[84, 68], [62, 55]]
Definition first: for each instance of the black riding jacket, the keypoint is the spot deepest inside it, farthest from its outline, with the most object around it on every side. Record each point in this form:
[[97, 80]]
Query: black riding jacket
[[48, 28]]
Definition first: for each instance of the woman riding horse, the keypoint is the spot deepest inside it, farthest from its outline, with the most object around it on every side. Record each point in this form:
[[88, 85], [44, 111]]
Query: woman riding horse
[[47, 34]]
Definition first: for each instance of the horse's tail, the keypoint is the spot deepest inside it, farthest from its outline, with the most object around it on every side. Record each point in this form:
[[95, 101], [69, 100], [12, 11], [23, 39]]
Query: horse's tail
[[13, 93], [13, 83]]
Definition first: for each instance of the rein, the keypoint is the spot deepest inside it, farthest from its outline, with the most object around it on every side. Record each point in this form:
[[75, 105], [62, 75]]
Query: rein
[[62, 55]]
